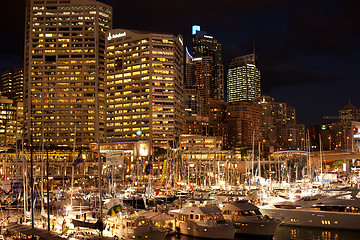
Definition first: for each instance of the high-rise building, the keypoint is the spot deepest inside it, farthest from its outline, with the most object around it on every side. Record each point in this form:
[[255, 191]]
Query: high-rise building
[[243, 83], [217, 116], [11, 121], [348, 114], [193, 103], [207, 46], [12, 85], [196, 125], [199, 77], [281, 130], [144, 87], [64, 70], [244, 124]]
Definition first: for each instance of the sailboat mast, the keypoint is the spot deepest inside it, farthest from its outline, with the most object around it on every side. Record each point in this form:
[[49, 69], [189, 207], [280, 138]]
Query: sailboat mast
[[253, 155], [321, 170], [259, 161], [72, 169], [42, 172]]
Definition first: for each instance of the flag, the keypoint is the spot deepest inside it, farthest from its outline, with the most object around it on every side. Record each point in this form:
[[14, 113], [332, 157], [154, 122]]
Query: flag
[[171, 169], [78, 160], [149, 166], [185, 168], [164, 170]]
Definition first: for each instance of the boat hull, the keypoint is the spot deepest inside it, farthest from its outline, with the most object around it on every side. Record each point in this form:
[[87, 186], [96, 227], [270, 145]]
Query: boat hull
[[313, 218], [223, 231], [139, 233], [259, 228]]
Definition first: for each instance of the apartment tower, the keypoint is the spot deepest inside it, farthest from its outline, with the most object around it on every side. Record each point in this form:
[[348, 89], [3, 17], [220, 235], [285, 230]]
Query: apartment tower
[[64, 70]]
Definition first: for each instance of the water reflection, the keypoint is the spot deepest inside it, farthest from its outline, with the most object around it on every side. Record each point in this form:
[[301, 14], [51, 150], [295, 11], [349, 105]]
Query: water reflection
[[293, 233], [284, 233]]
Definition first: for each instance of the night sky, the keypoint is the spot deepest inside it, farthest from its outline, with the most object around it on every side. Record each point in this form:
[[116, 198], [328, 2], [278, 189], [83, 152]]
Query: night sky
[[307, 51]]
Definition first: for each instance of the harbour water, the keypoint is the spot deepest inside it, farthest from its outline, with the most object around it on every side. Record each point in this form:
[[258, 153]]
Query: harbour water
[[294, 233]]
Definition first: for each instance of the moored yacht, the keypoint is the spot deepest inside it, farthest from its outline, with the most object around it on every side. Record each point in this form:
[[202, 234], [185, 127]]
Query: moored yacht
[[202, 218], [340, 211], [132, 227], [246, 217]]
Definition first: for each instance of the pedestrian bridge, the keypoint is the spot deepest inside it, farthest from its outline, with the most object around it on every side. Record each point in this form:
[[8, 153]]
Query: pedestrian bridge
[[328, 156]]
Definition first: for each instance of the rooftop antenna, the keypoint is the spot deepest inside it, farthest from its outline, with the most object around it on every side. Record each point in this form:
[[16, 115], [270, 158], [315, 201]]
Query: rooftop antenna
[[254, 50]]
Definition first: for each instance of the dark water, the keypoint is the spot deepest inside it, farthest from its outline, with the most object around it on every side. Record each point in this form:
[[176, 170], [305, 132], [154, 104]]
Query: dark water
[[294, 233]]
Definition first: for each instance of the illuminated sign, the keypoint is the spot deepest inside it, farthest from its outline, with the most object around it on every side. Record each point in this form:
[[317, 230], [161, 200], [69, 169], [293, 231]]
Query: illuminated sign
[[112, 36], [115, 158], [195, 28], [206, 36], [142, 148]]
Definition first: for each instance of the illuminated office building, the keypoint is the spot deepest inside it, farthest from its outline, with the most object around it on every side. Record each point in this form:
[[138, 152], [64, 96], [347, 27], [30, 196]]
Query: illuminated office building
[[144, 87], [64, 70], [243, 83], [12, 84]]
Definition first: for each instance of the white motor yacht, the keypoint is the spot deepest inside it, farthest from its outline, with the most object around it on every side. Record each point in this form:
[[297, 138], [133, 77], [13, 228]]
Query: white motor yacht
[[340, 211], [202, 218], [246, 216], [130, 227]]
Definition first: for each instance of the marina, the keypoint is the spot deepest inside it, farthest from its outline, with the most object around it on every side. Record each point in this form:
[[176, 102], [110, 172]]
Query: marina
[[114, 132], [179, 194]]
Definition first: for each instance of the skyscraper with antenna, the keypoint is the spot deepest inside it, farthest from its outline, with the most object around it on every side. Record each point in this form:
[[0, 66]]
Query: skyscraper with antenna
[[243, 82]]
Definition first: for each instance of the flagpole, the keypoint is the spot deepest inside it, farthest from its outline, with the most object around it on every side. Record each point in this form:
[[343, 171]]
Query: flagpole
[[72, 171]]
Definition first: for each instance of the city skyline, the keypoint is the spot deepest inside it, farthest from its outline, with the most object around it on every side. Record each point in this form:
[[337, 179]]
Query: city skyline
[[306, 51]]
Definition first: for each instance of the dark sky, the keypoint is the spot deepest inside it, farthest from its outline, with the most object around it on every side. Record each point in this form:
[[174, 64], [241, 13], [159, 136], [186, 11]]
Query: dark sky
[[307, 51]]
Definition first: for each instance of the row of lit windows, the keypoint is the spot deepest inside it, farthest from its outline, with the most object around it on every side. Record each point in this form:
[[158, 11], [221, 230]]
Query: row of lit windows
[[66, 62], [87, 100], [66, 7], [54, 13], [37, 73], [64, 51], [124, 80], [118, 51], [63, 134], [130, 117], [141, 97]]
